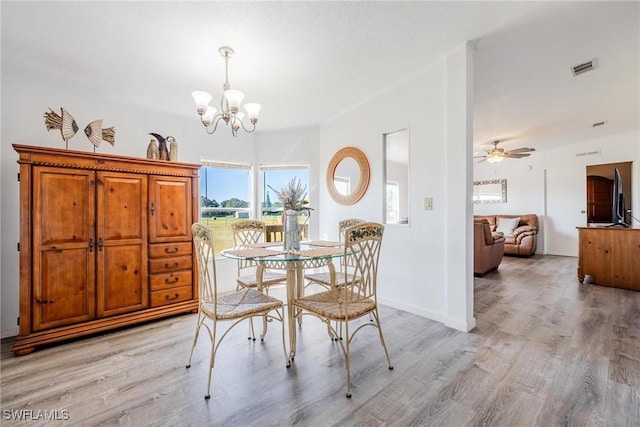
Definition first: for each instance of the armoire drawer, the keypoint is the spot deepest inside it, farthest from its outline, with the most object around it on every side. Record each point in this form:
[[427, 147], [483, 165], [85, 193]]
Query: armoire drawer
[[170, 296], [170, 280], [167, 265], [164, 250]]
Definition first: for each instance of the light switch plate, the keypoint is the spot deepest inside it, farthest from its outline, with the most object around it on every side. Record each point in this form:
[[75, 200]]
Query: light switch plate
[[428, 203]]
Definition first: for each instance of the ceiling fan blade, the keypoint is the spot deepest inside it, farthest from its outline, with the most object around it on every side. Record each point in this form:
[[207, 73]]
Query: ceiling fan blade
[[516, 155], [479, 157], [522, 150], [485, 158]]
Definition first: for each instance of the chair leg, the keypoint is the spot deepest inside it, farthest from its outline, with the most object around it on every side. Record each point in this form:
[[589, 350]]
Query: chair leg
[[212, 359], [195, 338], [284, 343], [384, 346], [347, 357], [252, 334], [264, 327]]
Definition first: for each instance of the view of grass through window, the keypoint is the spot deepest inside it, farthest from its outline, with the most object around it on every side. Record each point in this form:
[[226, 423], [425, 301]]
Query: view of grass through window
[[226, 196]]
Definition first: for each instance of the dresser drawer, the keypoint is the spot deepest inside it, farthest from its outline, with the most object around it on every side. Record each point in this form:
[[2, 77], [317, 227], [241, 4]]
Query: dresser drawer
[[165, 250], [170, 280], [170, 296], [167, 265]]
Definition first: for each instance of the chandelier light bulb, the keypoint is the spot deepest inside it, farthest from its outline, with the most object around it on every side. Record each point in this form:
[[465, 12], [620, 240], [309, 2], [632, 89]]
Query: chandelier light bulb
[[209, 115], [253, 110], [234, 98], [202, 100]]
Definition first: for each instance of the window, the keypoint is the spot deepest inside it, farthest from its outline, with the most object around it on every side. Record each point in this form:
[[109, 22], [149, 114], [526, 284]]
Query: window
[[225, 197], [276, 177]]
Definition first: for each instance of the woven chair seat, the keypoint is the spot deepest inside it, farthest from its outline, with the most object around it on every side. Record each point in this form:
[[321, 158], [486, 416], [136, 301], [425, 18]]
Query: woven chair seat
[[325, 278], [242, 303], [332, 304], [268, 279]]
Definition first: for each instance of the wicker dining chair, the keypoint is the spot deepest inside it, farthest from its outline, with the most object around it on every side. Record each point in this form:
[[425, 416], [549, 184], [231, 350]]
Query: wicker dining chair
[[233, 307], [324, 278], [329, 279], [246, 233], [351, 300]]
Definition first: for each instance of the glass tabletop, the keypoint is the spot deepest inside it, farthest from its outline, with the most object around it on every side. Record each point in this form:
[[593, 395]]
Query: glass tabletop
[[274, 251]]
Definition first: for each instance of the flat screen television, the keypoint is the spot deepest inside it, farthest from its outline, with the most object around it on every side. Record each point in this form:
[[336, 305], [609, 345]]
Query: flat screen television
[[617, 209]]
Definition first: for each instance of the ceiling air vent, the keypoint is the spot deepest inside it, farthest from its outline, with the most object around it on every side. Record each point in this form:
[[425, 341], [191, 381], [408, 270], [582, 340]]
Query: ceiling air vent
[[584, 67]]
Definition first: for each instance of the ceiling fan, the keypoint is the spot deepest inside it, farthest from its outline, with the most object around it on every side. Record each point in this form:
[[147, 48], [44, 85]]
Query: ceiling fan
[[496, 155]]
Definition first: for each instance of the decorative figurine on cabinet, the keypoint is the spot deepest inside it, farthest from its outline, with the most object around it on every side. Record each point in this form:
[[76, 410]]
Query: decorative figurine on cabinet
[[162, 146]]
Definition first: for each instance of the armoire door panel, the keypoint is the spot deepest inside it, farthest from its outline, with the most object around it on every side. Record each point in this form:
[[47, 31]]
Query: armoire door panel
[[121, 215], [170, 209], [122, 280], [63, 239], [63, 206], [63, 291], [122, 202]]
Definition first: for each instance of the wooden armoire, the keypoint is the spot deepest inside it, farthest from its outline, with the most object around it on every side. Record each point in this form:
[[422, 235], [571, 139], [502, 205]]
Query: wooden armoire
[[105, 242]]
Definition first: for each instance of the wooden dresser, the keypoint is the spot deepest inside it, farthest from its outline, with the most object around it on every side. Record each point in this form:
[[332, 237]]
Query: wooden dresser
[[611, 256], [105, 242]]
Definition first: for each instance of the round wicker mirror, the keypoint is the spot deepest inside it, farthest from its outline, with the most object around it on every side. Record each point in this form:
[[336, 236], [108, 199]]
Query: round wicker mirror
[[348, 175]]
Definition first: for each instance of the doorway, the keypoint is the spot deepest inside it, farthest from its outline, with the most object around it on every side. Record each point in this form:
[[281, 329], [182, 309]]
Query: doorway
[[600, 180]]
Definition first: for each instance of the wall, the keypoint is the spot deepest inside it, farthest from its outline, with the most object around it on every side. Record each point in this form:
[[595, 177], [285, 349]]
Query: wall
[[413, 272], [552, 184]]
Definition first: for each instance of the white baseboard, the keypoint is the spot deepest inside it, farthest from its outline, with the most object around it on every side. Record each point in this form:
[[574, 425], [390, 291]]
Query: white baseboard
[[432, 315], [9, 332], [418, 311]]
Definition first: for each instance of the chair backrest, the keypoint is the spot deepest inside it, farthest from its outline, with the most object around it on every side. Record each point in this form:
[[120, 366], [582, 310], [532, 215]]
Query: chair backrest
[[275, 232], [362, 245], [342, 226], [482, 232], [248, 231], [346, 223], [203, 243]]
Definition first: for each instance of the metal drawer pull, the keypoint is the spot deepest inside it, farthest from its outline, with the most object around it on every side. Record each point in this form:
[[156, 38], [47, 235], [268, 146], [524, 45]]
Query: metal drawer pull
[[168, 298], [175, 264], [171, 251], [175, 280]]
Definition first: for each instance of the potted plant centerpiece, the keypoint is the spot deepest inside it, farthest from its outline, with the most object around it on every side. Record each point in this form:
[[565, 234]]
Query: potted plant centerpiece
[[293, 199]]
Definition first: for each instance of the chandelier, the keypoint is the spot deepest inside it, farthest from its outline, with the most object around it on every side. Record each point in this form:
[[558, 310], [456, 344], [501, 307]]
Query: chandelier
[[229, 104]]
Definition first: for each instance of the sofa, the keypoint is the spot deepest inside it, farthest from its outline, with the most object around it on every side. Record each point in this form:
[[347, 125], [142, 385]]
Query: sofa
[[488, 247], [520, 232]]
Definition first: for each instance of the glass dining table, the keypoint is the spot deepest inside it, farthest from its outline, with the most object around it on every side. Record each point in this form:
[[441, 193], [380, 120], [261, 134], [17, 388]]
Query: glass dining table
[[271, 255]]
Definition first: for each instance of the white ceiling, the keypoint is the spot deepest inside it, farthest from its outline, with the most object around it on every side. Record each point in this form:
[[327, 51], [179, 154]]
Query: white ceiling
[[309, 62]]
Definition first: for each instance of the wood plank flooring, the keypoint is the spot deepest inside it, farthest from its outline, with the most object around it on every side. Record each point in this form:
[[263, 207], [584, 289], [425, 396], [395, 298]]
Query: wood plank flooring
[[546, 351]]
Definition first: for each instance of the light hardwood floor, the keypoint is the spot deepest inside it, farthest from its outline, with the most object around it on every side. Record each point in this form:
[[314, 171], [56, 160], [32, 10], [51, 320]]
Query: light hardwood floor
[[547, 351]]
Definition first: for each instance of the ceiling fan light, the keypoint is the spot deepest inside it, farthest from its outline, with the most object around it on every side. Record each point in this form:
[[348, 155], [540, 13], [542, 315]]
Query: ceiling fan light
[[495, 159]]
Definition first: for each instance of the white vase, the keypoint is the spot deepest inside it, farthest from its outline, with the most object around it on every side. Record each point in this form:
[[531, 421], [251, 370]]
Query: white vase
[[291, 231]]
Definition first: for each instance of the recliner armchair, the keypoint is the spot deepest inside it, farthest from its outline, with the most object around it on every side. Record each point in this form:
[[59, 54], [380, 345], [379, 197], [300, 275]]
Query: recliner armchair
[[488, 247]]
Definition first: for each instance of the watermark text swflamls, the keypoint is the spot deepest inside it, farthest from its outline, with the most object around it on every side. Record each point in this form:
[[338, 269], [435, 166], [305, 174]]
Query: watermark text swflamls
[[35, 414]]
